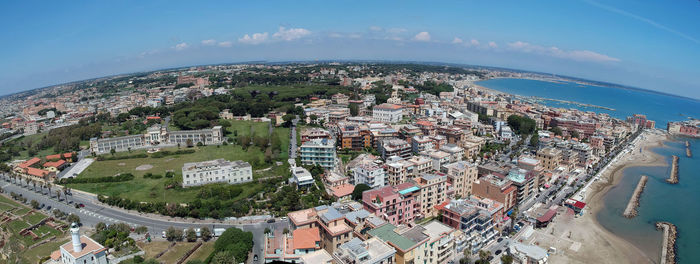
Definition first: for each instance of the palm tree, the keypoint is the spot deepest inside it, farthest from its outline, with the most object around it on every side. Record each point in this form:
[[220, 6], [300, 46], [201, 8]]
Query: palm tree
[[58, 194], [48, 185], [65, 194], [483, 255], [34, 183]]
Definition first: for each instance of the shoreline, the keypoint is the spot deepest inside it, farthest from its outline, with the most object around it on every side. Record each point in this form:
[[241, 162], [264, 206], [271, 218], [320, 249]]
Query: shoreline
[[598, 244]]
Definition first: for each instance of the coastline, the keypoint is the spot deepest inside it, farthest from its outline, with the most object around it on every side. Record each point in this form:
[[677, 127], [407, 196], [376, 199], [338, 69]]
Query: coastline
[[598, 244]]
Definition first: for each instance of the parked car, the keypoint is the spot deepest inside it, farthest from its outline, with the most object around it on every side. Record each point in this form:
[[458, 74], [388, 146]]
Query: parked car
[[81, 205]]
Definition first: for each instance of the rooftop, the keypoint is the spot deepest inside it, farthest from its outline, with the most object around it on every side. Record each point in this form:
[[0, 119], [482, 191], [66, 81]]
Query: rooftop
[[306, 238], [89, 246]]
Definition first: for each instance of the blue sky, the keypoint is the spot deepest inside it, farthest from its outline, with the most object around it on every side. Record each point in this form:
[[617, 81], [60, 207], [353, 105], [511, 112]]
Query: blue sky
[[648, 44]]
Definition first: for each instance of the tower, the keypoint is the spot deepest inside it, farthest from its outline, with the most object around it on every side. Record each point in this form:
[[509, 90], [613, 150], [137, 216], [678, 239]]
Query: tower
[[75, 237]]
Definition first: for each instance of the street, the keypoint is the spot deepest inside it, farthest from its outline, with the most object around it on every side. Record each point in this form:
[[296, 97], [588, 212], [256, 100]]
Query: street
[[94, 212]]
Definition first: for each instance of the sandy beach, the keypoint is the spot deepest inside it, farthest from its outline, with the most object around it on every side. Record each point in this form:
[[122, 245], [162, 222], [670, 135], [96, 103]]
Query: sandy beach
[[581, 239]]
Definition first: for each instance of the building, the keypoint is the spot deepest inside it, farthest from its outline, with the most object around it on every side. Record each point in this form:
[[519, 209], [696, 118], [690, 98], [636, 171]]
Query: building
[[439, 159], [550, 158], [301, 177], [461, 175], [400, 171], [370, 251], [433, 191], [475, 217], [318, 152], [314, 133], [641, 121], [292, 246], [387, 113], [395, 204], [496, 189], [216, 171], [158, 135], [456, 152], [335, 224], [370, 174], [432, 243], [80, 250], [340, 99], [395, 147], [316, 257], [422, 143], [528, 254], [526, 182]]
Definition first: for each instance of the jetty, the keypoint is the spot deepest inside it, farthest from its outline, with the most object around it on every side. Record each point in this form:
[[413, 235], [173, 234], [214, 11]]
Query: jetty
[[688, 153], [668, 248], [673, 178], [631, 209]]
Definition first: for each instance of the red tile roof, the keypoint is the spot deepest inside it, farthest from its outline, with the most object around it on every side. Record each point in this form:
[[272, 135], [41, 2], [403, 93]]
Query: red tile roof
[[53, 157], [306, 238], [547, 216], [54, 164], [37, 172], [343, 190], [30, 162]]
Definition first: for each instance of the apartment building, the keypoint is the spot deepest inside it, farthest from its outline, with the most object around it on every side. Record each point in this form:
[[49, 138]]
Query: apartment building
[[432, 243], [433, 191], [314, 133], [400, 171], [497, 189], [526, 182], [422, 143], [318, 152], [370, 251], [475, 217], [461, 175], [370, 174], [395, 147], [216, 171], [387, 113], [550, 158], [456, 152], [395, 204]]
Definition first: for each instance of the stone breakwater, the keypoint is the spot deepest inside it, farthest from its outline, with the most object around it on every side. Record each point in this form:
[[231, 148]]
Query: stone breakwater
[[668, 248], [688, 153], [673, 178], [631, 209]]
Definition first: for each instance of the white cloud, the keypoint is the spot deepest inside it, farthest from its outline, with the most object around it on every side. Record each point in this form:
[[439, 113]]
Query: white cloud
[[474, 42], [291, 34], [181, 46], [208, 42], [493, 44], [354, 36], [257, 38], [225, 44], [578, 55], [422, 36], [457, 40], [336, 35], [375, 28]]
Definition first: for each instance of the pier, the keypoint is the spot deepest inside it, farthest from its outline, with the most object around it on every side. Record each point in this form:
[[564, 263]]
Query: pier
[[668, 248], [631, 209], [673, 178]]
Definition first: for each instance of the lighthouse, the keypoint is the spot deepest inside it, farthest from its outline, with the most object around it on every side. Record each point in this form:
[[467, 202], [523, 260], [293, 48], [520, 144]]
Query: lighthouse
[[75, 235]]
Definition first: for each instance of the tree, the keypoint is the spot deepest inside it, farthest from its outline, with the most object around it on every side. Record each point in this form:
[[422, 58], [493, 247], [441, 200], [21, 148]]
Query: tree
[[34, 204], [112, 151], [99, 227], [191, 235], [534, 140], [141, 230], [72, 218], [464, 260], [522, 124], [205, 233], [484, 255], [223, 257], [173, 234], [556, 131], [507, 259], [359, 189], [354, 110], [575, 134]]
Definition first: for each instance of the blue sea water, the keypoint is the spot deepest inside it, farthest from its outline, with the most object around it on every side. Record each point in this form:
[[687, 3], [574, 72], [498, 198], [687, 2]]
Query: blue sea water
[[658, 107], [660, 201]]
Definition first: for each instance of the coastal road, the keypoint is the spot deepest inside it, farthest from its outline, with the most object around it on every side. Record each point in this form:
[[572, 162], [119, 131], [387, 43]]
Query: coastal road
[[94, 212]]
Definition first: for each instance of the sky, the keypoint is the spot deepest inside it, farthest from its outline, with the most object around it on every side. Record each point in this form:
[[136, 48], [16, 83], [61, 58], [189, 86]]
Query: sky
[[651, 44]]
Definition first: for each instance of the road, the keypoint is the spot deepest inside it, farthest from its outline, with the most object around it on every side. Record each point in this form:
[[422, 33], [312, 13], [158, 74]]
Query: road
[[94, 212], [293, 139]]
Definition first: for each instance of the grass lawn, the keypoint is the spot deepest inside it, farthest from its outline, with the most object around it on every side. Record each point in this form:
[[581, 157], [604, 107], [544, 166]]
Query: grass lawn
[[17, 225], [244, 128], [34, 218], [153, 248], [202, 252], [35, 254], [176, 252], [22, 211], [151, 190], [7, 204]]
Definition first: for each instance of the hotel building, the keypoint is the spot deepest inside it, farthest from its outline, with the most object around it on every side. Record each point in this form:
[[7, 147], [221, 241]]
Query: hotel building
[[216, 171]]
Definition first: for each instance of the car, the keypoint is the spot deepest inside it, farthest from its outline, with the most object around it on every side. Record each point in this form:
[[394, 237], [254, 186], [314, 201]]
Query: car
[[48, 208], [500, 239], [283, 218], [255, 257], [163, 235], [271, 220], [498, 252], [81, 205]]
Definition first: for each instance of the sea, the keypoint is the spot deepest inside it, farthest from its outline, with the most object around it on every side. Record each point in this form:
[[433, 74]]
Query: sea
[[660, 201]]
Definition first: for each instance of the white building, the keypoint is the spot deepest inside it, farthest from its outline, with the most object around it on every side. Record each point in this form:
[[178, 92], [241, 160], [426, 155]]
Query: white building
[[301, 177], [158, 135], [370, 251], [216, 171], [80, 250], [456, 152], [388, 113], [318, 152], [421, 143], [528, 253], [370, 174]]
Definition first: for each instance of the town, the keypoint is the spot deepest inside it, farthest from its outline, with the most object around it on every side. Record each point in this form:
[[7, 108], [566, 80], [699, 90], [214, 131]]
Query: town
[[300, 163]]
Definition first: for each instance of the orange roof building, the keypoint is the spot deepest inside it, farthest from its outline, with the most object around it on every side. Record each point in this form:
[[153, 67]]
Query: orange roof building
[[343, 191], [29, 163], [306, 239], [55, 164], [53, 157], [37, 172]]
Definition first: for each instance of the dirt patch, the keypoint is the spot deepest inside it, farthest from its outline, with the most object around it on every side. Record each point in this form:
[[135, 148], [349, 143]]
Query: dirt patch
[[121, 164], [144, 167]]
